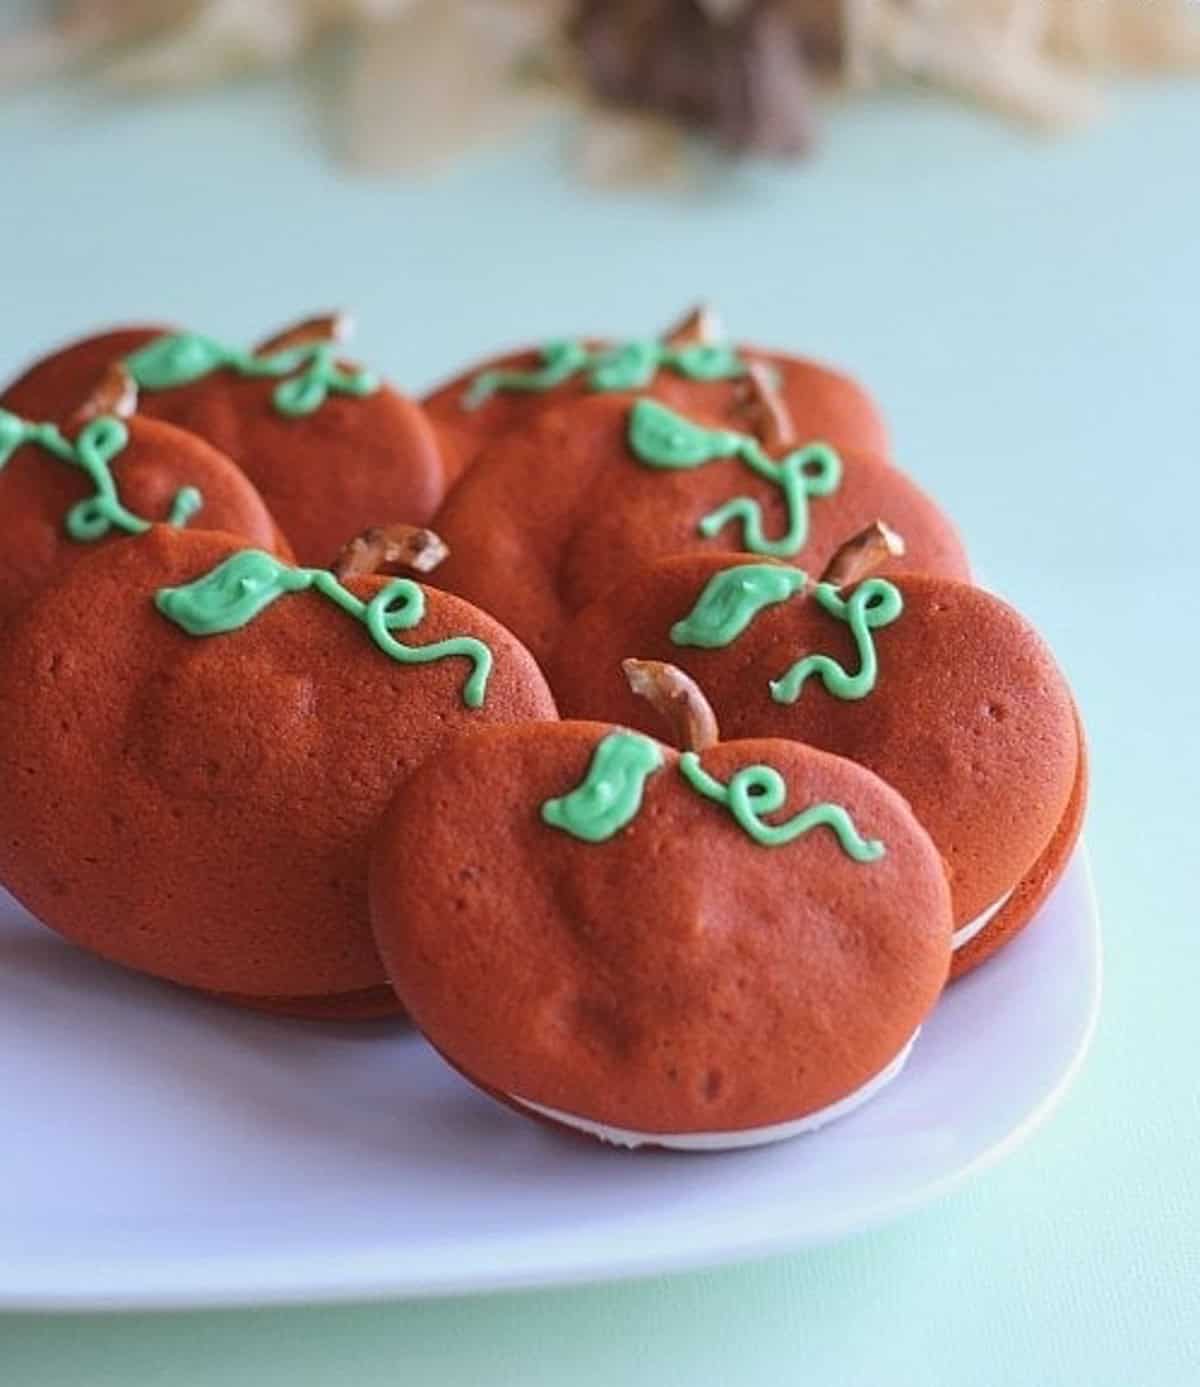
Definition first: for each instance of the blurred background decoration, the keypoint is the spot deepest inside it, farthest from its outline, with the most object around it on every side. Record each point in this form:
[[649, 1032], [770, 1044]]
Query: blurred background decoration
[[428, 78]]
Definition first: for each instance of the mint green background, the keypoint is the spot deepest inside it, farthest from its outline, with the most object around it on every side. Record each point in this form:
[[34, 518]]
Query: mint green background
[[1028, 314]]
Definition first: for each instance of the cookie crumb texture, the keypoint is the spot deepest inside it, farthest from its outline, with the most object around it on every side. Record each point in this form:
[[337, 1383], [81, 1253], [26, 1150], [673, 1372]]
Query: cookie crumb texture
[[199, 808], [677, 977]]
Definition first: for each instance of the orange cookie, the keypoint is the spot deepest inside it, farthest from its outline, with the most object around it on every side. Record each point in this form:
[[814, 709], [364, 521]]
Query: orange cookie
[[938, 687], [63, 491], [691, 368], [555, 512], [701, 951], [330, 447], [197, 743]]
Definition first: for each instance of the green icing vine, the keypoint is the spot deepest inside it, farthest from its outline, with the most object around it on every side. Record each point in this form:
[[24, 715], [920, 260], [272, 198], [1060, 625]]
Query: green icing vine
[[609, 798], [732, 599], [98, 443], [610, 795], [872, 604], [238, 589], [628, 366], [661, 438], [185, 357], [756, 791]]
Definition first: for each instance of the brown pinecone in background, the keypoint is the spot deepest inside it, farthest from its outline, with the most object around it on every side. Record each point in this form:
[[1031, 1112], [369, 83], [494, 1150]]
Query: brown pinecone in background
[[737, 70]]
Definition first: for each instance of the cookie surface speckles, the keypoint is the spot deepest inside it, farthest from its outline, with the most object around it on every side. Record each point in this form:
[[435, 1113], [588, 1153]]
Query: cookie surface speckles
[[970, 718], [676, 977], [555, 513], [199, 807]]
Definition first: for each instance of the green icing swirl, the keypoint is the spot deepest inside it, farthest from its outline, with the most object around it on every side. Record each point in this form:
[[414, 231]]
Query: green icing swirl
[[610, 795], [661, 438], [609, 798], [755, 791], [627, 366], [245, 584], [732, 599], [873, 603], [182, 358], [98, 443]]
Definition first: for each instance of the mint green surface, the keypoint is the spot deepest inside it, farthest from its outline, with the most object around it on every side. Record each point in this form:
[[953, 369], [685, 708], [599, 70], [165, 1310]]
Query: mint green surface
[[1028, 313]]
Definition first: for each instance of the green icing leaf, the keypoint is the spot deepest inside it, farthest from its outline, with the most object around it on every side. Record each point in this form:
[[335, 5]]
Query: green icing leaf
[[662, 438], [610, 795], [631, 366], [708, 361], [177, 359], [234, 593], [659, 437], [245, 584], [302, 394], [732, 599]]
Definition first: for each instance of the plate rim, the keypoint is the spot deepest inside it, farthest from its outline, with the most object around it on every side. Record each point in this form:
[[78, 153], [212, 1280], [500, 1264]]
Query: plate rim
[[370, 1275]]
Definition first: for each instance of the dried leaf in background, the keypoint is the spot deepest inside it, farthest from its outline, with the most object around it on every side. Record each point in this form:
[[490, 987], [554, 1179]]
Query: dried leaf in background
[[446, 74], [431, 78]]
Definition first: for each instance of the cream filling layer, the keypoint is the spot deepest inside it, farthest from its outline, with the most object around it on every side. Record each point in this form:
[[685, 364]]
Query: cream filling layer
[[728, 1141], [965, 933]]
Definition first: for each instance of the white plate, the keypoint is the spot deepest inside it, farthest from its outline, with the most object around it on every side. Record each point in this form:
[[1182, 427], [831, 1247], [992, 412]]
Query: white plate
[[160, 1150]]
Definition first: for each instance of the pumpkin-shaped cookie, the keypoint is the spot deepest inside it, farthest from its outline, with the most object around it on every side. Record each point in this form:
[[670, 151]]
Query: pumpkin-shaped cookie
[[99, 478], [553, 513], [705, 950], [940, 688], [331, 448], [691, 367], [198, 740], [52, 388]]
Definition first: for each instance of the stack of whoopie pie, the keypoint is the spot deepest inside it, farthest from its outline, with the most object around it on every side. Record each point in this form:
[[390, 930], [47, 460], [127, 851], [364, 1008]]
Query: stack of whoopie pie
[[621, 713]]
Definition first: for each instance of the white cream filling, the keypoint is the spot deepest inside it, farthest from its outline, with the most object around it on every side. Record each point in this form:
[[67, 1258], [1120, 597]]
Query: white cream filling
[[728, 1141], [967, 932]]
